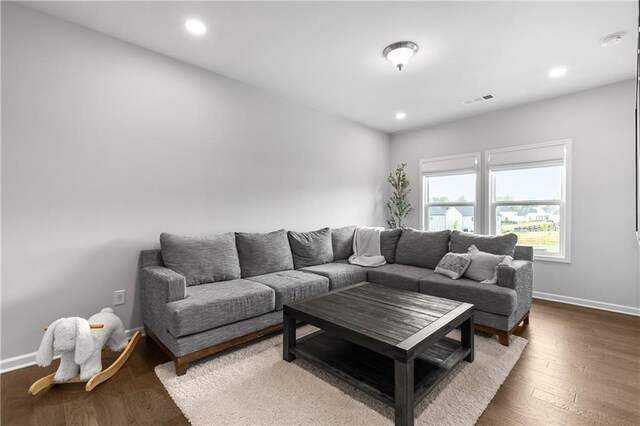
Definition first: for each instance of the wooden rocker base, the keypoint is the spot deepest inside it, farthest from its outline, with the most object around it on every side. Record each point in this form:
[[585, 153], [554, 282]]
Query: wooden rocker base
[[47, 381]]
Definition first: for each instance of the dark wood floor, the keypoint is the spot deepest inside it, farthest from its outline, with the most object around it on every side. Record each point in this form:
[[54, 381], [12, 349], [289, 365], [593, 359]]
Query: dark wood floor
[[581, 366]]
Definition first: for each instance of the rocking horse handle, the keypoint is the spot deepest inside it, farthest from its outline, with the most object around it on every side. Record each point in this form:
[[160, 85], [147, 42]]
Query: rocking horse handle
[[90, 326]]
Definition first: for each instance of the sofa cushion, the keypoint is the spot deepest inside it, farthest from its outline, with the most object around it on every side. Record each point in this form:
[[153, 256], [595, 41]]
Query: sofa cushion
[[213, 305], [453, 265], [388, 243], [494, 244], [484, 265], [264, 253], [422, 248], [311, 248], [486, 297], [342, 242], [293, 286], [398, 276], [339, 274], [201, 259]]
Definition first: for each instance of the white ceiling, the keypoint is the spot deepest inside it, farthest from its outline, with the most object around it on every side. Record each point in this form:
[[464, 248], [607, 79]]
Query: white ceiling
[[329, 55]]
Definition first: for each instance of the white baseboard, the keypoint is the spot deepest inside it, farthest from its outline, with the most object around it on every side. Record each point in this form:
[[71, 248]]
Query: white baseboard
[[603, 306], [27, 360]]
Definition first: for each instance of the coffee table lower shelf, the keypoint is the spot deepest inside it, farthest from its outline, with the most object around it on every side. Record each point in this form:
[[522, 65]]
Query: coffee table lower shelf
[[372, 372]]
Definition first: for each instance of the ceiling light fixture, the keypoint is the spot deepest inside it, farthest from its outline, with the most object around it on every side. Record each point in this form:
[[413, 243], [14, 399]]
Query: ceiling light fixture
[[401, 115], [611, 40], [557, 72], [195, 27], [399, 53]]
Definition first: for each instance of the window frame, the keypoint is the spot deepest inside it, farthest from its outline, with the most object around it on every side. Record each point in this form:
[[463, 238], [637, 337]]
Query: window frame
[[565, 197], [424, 186]]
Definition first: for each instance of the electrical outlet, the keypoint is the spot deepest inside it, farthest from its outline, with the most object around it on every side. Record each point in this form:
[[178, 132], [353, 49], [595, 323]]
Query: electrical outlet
[[119, 297]]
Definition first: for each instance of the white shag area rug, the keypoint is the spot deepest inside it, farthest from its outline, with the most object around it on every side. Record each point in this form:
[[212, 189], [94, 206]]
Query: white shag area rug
[[252, 385]]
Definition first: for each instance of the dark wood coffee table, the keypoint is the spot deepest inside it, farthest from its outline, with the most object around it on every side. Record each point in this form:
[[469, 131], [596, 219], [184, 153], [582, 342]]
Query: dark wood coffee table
[[389, 343]]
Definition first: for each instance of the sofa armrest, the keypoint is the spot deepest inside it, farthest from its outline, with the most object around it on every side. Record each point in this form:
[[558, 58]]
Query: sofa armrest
[[518, 275], [162, 285], [515, 274]]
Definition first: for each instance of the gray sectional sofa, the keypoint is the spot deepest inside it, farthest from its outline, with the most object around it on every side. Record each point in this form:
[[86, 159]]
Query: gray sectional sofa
[[201, 295]]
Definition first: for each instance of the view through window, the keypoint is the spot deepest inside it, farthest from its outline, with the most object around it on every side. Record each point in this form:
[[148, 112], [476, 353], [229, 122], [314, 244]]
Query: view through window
[[450, 202], [528, 202]]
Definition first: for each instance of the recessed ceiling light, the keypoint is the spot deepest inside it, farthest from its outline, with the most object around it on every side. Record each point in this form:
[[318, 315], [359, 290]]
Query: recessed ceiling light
[[399, 53], [557, 72], [401, 115], [195, 26], [611, 40]]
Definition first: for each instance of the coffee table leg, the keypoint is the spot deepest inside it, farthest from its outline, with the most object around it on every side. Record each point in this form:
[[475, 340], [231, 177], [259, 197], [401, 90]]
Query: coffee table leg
[[404, 392], [289, 337], [467, 337]]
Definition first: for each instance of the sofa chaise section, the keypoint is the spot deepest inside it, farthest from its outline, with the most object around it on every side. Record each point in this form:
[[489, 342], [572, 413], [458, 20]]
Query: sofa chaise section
[[499, 308]]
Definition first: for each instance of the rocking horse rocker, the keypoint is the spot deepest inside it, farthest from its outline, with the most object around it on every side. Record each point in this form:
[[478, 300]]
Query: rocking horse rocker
[[80, 344]]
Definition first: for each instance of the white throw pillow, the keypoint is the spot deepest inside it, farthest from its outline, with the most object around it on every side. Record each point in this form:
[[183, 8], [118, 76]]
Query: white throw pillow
[[484, 266], [453, 265]]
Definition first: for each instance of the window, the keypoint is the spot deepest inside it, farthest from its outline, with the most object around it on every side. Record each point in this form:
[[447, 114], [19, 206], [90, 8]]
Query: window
[[450, 192], [527, 191]]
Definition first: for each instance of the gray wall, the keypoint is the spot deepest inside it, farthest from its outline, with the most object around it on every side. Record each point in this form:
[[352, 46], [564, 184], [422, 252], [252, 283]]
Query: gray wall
[[600, 121], [105, 145]]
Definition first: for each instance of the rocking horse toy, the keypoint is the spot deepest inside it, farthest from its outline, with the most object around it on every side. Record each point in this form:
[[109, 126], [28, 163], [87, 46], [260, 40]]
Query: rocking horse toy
[[80, 344]]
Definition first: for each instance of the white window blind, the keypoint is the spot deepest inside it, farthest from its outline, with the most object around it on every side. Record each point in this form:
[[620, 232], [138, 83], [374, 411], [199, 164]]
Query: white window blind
[[528, 156]]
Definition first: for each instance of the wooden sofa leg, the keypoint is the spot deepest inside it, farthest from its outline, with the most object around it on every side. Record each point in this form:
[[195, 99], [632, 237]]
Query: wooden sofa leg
[[526, 319], [504, 338], [181, 368]]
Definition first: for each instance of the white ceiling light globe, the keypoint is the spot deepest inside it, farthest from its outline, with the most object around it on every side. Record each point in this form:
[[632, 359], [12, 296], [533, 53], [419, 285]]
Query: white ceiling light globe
[[399, 53], [195, 26], [401, 115]]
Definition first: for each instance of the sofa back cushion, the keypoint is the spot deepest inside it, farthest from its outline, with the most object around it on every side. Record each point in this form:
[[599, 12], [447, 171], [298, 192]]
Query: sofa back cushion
[[263, 253], [201, 259], [422, 248], [388, 244], [311, 248], [342, 242], [495, 244]]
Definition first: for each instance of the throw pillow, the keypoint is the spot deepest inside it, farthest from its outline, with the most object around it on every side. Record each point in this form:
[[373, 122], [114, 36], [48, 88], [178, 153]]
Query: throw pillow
[[311, 248], [264, 253], [422, 248], [201, 259], [453, 265], [342, 242], [494, 244], [389, 243], [484, 265]]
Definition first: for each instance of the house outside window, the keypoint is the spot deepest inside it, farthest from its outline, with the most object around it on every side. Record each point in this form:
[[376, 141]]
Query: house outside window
[[450, 187]]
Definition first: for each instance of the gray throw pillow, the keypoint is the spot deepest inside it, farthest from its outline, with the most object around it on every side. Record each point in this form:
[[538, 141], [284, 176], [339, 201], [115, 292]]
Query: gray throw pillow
[[311, 248], [484, 266], [388, 244], [494, 244], [342, 242], [264, 253], [422, 248], [201, 259], [453, 265]]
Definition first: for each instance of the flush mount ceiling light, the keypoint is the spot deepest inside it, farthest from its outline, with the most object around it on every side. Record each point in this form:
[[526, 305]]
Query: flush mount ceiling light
[[399, 53], [195, 26], [401, 115], [557, 72], [611, 40]]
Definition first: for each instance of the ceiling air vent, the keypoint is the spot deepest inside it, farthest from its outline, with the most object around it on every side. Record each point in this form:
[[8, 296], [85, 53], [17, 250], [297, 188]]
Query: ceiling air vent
[[478, 99]]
